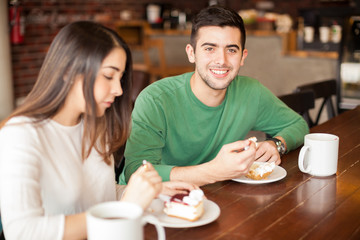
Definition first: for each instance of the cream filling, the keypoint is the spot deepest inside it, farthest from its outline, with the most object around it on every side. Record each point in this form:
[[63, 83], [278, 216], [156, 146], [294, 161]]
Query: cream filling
[[183, 211], [262, 168]]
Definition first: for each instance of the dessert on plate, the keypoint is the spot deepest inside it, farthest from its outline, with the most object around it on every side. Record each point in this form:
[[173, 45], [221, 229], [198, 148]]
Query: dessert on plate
[[186, 206], [260, 170]]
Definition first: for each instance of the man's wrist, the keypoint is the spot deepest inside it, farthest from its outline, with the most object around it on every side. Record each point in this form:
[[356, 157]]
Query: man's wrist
[[198, 174], [280, 146]]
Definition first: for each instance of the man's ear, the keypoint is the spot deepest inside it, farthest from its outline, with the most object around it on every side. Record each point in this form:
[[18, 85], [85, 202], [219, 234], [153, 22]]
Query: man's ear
[[190, 53], [244, 55]]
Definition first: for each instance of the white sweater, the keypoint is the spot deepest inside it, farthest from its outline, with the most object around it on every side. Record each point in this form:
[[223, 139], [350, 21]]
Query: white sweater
[[42, 178]]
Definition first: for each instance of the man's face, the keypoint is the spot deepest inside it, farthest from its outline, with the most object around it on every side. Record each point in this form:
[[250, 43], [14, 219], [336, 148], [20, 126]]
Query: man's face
[[218, 55]]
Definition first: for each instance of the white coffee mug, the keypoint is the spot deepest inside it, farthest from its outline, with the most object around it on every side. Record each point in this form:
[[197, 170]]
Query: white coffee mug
[[319, 155], [153, 13], [119, 220], [324, 34], [308, 34], [336, 33]]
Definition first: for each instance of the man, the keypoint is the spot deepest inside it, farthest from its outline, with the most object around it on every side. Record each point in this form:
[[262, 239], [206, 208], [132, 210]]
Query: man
[[189, 126]]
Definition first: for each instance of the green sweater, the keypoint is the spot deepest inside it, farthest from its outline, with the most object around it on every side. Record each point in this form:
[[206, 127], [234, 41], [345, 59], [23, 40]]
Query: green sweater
[[171, 127]]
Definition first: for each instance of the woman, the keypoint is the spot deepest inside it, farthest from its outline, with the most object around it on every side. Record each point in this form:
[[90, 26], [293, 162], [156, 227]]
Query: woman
[[56, 149]]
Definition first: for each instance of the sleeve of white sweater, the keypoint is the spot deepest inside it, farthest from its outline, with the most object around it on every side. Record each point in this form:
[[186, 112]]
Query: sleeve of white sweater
[[22, 213], [120, 191]]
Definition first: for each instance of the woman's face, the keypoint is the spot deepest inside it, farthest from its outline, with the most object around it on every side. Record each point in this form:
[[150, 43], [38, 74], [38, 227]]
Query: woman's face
[[107, 83]]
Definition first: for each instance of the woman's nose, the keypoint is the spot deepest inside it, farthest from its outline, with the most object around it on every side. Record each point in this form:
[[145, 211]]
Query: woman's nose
[[117, 89]]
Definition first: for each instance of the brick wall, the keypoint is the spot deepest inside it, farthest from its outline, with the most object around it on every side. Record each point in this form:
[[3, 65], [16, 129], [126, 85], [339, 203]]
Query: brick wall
[[44, 18]]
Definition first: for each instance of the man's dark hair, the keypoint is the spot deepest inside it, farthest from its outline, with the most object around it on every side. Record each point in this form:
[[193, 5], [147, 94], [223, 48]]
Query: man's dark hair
[[217, 16]]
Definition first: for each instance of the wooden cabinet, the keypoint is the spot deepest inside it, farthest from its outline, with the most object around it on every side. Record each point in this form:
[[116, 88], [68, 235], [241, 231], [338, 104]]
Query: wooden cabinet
[[133, 32], [290, 49]]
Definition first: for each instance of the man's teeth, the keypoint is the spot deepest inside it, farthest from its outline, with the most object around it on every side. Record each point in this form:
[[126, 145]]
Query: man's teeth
[[219, 71]]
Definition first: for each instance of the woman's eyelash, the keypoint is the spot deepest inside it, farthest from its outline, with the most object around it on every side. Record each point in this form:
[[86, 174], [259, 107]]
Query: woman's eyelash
[[108, 77]]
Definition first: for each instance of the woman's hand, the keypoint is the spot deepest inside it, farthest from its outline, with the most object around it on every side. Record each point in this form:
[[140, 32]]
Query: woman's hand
[[175, 187], [144, 185]]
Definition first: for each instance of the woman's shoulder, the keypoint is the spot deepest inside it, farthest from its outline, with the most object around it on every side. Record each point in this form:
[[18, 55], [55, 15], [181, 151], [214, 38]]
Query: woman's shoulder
[[18, 120], [19, 126]]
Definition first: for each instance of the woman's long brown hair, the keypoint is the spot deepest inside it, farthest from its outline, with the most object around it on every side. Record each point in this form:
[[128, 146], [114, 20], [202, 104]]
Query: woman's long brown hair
[[79, 49]]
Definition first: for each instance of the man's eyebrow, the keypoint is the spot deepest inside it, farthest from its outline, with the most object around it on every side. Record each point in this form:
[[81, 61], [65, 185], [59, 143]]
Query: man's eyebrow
[[215, 45], [208, 44], [233, 45]]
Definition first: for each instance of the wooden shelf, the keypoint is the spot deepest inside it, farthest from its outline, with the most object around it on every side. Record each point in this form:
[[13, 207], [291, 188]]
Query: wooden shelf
[[262, 33], [187, 32], [167, 32], [134, 33], [289, 45], [317, 54], [289, 49]]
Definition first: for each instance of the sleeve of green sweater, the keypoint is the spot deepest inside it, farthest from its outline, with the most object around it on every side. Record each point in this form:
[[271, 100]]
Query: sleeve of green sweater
[[276, 119], [146, 140]]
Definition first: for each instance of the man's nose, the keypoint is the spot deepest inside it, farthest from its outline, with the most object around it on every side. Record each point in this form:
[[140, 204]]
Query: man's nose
[[220, 57]]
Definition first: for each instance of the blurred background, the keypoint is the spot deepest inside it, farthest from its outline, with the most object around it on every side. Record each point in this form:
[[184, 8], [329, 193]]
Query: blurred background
[[290, 42]]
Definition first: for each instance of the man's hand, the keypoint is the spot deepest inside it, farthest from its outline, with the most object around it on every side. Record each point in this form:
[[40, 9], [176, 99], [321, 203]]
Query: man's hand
[[171, 188], [232, 160], [267, 152]]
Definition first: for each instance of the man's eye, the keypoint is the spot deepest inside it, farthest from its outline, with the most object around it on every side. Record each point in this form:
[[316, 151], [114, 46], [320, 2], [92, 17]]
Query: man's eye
[[232, 50], [209, 49]]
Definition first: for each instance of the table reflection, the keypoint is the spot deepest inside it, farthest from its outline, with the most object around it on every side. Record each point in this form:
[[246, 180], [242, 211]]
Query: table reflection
[[317, 195]]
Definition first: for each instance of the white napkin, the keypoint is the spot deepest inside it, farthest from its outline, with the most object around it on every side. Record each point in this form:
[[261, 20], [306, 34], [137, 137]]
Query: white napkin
[[350, 72]]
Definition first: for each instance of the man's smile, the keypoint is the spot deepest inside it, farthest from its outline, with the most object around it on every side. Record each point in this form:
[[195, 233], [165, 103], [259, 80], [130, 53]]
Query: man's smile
[[219, 72]]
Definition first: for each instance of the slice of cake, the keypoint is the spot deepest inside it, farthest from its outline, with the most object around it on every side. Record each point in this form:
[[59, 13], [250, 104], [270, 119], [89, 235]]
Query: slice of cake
[[186, 206], [260, 170]]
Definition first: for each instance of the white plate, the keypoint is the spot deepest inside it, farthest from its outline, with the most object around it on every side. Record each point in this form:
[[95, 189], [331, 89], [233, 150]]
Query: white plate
[[278, 174], [211, 213]]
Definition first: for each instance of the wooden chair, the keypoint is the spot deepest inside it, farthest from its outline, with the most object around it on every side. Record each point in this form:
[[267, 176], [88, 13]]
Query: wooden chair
[[2, 237], [322, 90], [119, 162], [160, 69], [301, 102], [141, 79]]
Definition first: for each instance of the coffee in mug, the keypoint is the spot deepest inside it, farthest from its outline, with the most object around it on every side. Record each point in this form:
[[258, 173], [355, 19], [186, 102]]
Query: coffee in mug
[[119, 220], [319, 155]]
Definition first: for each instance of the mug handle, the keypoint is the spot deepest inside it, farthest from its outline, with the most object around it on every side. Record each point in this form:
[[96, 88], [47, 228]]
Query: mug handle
[[159, 229], [303, 151]]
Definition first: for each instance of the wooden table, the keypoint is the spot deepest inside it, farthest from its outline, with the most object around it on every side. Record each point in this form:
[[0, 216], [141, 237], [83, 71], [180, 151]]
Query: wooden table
[[298, 207]]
